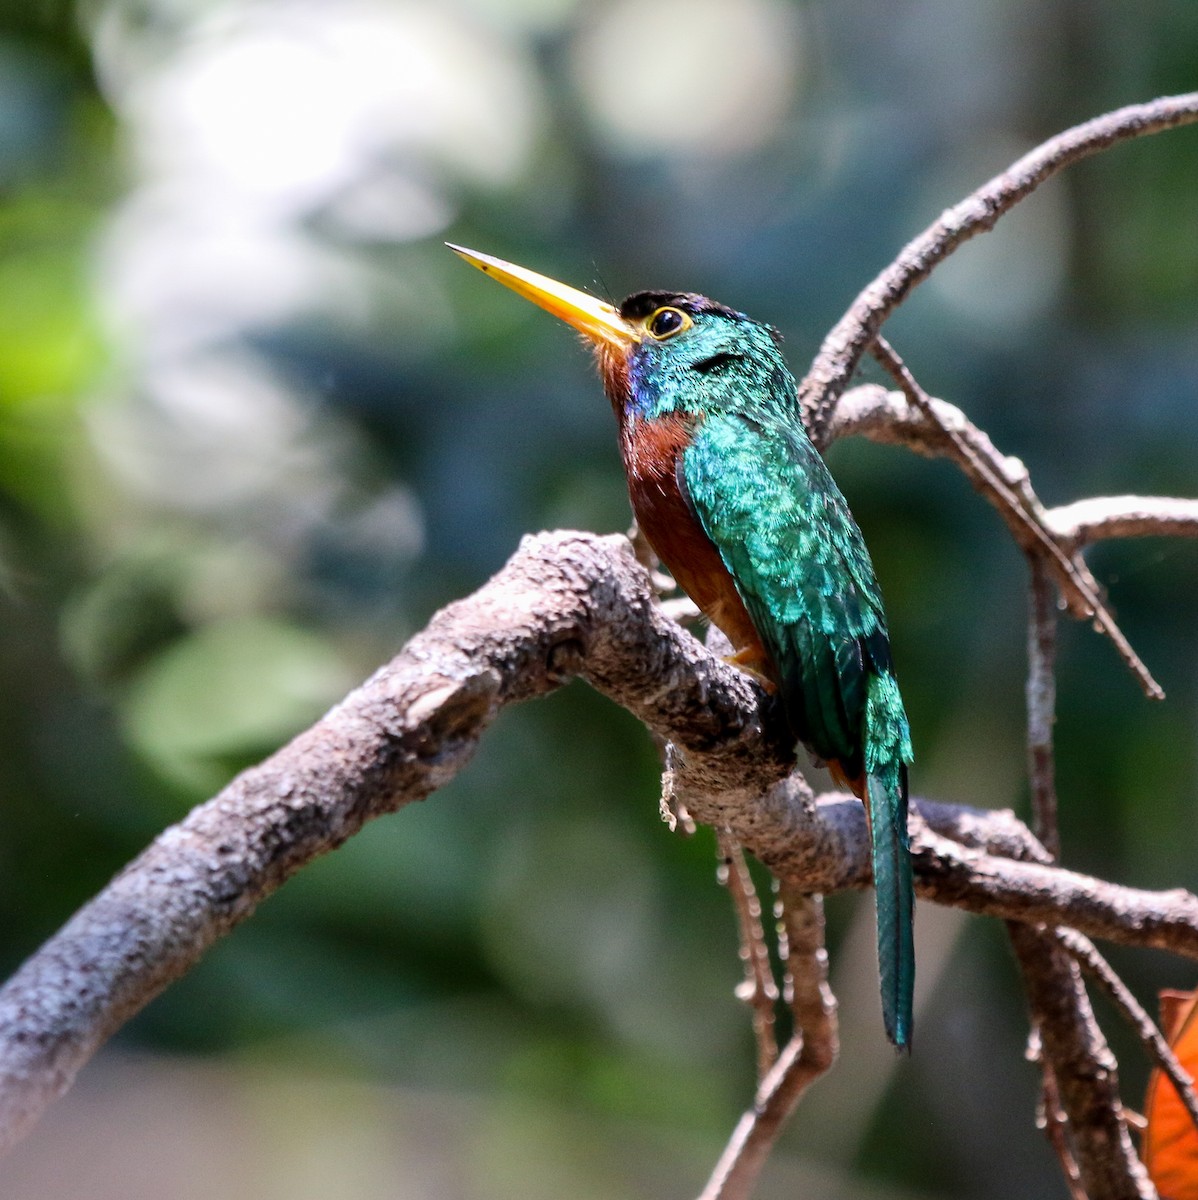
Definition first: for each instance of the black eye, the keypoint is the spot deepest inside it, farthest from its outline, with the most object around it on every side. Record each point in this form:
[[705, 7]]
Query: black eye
[[666, 322]]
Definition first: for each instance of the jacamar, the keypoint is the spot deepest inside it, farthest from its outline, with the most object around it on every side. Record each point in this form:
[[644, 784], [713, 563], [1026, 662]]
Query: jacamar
[[737, 502]]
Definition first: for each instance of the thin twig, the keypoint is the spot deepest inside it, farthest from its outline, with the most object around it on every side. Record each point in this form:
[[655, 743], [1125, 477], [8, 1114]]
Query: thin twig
[[753, 1138], [1041, 698], [1019, 507], [812, 1001], [758, 989], [1050, 1119], [809, 1054], [1153, 1041], [782, 943], [844, 346], [1041, 705], [889, 418]]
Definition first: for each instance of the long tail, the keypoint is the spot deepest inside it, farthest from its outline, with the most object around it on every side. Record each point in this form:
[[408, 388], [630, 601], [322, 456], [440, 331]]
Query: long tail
[[888, 750]]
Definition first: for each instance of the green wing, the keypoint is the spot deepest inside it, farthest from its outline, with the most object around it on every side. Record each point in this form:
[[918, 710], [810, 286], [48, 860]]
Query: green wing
[[765, 498]]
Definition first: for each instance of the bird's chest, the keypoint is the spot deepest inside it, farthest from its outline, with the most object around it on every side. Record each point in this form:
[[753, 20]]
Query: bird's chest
[[652, 451]]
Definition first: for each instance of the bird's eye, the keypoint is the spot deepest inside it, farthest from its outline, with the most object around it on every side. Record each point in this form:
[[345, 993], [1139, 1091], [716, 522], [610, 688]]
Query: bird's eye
[[666, 322]]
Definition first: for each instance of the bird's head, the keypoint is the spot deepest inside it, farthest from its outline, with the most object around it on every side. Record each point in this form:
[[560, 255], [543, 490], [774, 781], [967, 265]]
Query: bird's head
[[662, 352]]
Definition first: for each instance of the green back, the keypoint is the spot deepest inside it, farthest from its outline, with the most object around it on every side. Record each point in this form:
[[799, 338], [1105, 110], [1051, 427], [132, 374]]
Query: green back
[[765, 498]]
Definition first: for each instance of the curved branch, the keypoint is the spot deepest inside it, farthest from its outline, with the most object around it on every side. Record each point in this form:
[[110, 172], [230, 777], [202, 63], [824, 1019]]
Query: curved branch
[[565, 604], [1020, 508], [842, 349], [885, 417], [562, 599]]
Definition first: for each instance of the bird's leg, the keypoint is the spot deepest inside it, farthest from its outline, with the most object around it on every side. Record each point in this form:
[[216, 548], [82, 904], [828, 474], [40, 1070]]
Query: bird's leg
[[749, 660]]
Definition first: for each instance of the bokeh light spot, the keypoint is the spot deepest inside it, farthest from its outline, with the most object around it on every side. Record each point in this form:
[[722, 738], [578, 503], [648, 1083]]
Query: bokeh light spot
[[689, 76]]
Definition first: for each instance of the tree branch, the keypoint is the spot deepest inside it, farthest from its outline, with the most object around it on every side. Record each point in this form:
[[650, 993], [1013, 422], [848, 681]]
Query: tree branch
[[842, 349], [1041, 705], [936, 429], [1123, 517], [810, 1053], [1151, 1038], [758, 989], [887, 418], [565, 604], [1083, 1067]]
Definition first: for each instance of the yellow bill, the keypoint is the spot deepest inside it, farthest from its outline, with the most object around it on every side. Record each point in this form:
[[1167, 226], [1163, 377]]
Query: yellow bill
[[597, 319]]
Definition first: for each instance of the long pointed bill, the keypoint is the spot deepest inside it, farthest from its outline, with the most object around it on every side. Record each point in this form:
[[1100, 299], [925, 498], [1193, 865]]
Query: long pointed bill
[[596, 319]]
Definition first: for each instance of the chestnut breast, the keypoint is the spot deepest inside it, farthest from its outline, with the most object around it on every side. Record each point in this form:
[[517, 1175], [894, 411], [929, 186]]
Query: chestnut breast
[[651, 450]]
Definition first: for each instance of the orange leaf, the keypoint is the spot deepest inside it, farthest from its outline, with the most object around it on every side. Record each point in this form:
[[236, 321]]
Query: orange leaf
[[1170, 1139]]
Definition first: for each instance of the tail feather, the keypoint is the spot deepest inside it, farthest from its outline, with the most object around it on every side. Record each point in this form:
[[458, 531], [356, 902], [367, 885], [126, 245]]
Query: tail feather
[[895, 899], [887, 752]]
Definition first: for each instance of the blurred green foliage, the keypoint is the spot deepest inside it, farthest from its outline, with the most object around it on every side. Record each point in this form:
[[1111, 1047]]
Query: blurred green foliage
[[256, 425]]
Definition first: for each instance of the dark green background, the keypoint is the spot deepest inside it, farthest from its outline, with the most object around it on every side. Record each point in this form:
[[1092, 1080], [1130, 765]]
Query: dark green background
[[256, 425]]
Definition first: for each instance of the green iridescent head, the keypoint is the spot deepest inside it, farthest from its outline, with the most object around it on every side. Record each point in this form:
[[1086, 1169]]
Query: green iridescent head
[[662, 352], [696, 355]]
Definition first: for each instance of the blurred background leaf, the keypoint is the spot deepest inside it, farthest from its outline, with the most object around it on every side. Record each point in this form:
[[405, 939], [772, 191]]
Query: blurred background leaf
[[256, 425]]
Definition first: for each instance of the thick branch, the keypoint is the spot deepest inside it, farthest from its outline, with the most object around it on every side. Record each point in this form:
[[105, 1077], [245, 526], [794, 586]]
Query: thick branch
[[1083, 1066], [565, 604], [404, 733]]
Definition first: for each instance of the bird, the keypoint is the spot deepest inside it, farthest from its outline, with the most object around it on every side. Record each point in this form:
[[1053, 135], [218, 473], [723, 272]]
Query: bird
[[737, 502]]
